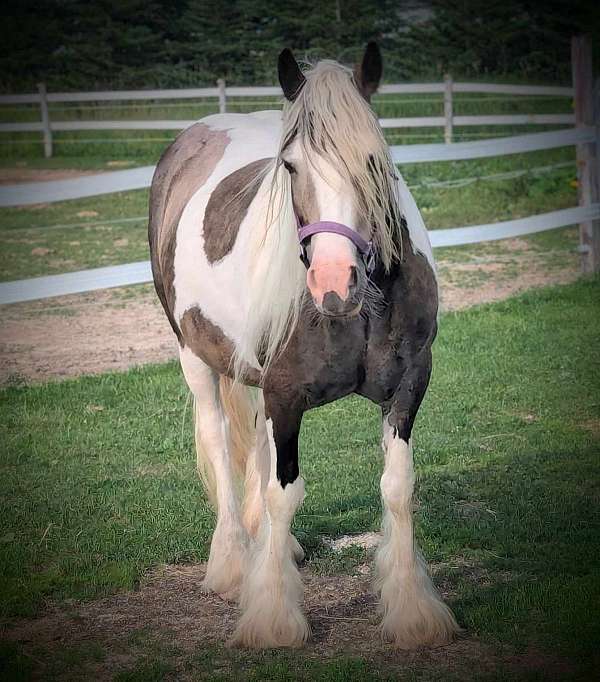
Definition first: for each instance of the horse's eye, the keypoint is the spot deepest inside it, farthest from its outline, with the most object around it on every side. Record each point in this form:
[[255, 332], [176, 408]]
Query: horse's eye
[[289, 167]]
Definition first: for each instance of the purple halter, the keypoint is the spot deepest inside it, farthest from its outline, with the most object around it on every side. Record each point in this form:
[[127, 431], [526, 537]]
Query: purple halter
[[364, 247]]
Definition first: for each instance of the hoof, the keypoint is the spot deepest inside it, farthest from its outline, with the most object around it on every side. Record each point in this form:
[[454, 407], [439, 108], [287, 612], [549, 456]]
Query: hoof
[[228, 589], [232, 595], [267, 631], [427, 622], [226, 565]]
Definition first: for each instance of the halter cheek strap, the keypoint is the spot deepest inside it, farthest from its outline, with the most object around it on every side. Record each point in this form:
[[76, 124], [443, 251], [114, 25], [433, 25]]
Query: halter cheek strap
[[364, 247]]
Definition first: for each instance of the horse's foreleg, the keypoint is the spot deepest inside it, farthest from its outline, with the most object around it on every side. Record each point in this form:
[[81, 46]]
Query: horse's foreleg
[[226, 563], [413, 613], [272, 588]]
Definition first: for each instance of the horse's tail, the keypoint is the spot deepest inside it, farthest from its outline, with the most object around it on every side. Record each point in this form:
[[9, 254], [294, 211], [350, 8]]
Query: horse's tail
[[240, 410]]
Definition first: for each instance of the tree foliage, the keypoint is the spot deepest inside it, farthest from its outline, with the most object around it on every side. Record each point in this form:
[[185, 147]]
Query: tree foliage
[[170, 43]]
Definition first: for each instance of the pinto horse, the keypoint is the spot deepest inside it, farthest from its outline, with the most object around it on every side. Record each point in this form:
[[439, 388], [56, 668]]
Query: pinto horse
[[265, 335]]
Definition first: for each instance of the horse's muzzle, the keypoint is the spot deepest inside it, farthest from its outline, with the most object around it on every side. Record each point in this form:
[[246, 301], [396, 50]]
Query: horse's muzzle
[[337, 292], [333, 306]]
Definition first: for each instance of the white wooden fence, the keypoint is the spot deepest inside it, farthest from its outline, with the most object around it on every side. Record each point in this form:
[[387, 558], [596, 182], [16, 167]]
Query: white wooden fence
[[585, 136], [24, 194], [137, 273], [221, 93]]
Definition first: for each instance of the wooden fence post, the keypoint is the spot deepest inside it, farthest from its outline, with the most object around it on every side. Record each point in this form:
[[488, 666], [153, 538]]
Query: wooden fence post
[[47, 131], [596, 110], [448, 115], [587, 154], [222, 96]]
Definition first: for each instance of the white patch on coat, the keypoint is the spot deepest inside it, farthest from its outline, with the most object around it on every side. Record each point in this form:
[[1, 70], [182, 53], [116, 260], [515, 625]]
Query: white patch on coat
[[413, 613], [226, 562], [272, 589], [220, 289], [414, 222]]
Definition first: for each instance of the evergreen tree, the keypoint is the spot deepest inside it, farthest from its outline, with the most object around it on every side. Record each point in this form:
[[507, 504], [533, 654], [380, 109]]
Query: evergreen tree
[[72, 44]]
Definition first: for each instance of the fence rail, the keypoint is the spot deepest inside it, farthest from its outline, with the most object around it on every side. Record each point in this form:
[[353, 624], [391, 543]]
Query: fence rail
[[274, 91], [138, 178], [141, 273], [406, 122], [222, 92]]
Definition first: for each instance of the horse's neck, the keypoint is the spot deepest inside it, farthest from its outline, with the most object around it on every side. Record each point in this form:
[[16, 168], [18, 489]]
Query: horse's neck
[[416, 232]]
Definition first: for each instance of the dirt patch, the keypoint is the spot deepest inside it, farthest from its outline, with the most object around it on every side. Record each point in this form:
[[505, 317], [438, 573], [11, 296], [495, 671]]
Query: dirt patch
[[170, 609], [85, 334], [368, 540], [592, 426], [120, 328], [10, 176], [484, 280]]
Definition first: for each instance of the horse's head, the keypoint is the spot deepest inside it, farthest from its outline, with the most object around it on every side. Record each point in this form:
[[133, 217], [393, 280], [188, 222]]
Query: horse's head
[[339, 170]]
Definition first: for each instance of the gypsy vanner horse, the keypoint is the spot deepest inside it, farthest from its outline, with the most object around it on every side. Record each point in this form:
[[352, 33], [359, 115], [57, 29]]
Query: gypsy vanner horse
[[265, 335]]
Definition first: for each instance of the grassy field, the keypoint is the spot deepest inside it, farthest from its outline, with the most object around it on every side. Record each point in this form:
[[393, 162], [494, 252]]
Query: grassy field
[[111, 229], [98, 485]]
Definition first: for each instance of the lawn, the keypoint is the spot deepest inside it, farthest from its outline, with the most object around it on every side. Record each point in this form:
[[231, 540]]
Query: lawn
[[98, 486]]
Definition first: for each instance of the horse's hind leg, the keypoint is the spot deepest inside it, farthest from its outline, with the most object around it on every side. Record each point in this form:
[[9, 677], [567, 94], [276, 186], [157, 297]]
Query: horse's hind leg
[[413, 613], [257, 478], [272, 588], [228, 548]]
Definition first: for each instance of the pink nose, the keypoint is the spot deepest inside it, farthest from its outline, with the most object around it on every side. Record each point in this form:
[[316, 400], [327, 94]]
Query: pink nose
[[331, 276]]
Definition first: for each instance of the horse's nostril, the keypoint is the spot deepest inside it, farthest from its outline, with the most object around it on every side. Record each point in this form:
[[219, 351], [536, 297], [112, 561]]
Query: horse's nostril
[[353, 277]]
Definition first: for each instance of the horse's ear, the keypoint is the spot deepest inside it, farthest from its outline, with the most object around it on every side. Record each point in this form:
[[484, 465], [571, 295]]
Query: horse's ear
[[291, 77], [368, 74]]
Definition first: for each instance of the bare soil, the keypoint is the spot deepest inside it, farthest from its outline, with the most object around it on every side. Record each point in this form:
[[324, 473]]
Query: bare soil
[[83, 334], [117, 329], [171, 611], [8, 176]]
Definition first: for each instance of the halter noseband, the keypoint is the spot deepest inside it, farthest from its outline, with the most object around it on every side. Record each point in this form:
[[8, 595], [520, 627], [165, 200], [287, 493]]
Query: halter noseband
[[364, 247]]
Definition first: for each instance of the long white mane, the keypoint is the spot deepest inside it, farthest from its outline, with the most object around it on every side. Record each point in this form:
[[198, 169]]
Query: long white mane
[[330, 119]]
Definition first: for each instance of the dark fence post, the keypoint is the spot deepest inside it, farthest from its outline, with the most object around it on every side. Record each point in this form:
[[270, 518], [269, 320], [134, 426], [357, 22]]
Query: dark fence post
[[47, 131], [448, 108], [587, 154]]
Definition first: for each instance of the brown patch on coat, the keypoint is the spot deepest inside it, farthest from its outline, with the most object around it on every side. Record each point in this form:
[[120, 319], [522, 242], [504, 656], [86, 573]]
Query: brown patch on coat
[[206, 340], [303, 198], [227, 207], [184, 167]]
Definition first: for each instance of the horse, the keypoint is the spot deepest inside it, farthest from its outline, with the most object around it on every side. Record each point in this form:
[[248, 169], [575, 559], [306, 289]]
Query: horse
[[295, 269]]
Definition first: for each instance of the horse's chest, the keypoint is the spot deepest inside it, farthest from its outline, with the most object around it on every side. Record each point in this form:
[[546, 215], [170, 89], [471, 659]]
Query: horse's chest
[[322, 362], [326, 360], [329, 360]]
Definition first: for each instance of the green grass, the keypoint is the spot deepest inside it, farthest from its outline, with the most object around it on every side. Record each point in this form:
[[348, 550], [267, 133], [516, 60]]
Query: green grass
[[73, 235], [98, 480]]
